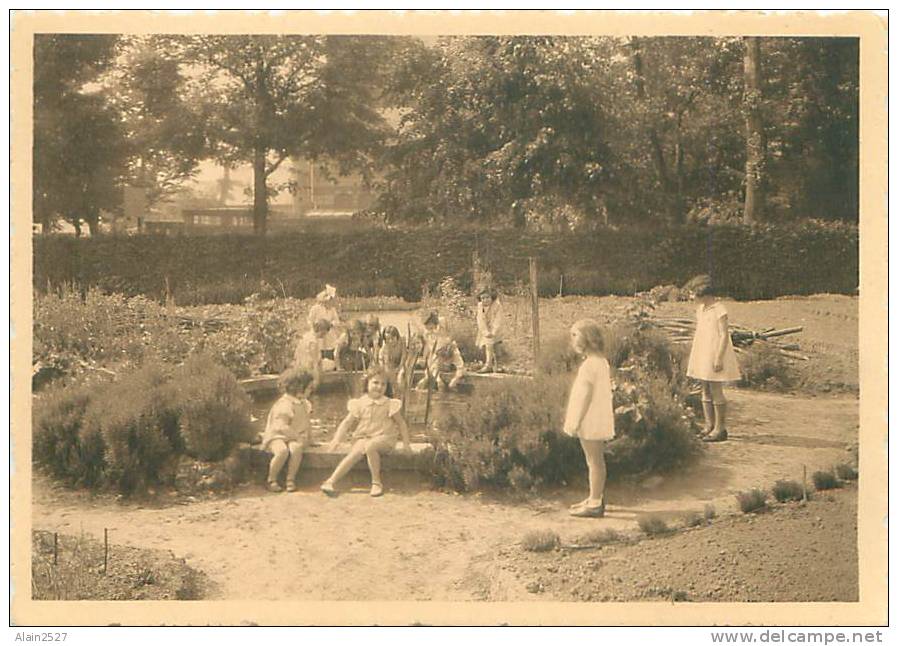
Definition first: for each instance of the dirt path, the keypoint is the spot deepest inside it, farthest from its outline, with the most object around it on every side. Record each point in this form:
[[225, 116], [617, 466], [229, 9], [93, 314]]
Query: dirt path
[[418, 544]]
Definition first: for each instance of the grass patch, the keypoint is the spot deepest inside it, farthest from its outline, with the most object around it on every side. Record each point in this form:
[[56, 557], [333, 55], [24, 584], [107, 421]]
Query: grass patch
[[824, 480], [540, 540], [845, 471], [693, 519], [600, 537], [753, 500], [652, 525], [785, 490]]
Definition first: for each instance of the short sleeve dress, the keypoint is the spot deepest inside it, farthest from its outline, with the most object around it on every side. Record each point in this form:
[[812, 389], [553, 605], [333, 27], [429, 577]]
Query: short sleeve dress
[[590, 412], [319, 311], [489, 322], [705, 345], [288, 420], [375, 418]]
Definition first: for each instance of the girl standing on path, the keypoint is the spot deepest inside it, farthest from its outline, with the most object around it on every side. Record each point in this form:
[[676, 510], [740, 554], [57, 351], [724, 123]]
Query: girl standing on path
[[489, 320], [590, 414], [288, 429], [327, 307], [712, 360], [377, 423]]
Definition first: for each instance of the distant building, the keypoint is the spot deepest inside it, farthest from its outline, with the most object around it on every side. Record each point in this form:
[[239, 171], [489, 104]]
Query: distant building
[[321, 190]]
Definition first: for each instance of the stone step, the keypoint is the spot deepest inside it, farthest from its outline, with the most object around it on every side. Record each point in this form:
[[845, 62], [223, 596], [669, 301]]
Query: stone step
[[318, 457]]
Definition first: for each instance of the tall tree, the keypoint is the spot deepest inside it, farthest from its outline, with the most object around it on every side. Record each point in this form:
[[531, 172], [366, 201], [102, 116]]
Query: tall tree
[[755, 141], [272, 97], [165, 130], [80, 153]]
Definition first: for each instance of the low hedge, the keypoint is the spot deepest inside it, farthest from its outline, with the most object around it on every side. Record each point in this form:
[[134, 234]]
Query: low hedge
[[749, 262]]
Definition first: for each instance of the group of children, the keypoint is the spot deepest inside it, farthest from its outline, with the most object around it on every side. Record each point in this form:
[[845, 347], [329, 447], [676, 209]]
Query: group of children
[[376, 419], [385, 358]]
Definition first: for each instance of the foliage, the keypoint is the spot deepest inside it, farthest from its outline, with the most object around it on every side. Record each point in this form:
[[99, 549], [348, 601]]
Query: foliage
[[137, 419], [540, 540], [600, 537], [753, 500], [213, 410], [56, 427], [710, 513], [785, 490], [761, 261], [824, 480], [80, 152], [509, 436], [652, 525], [763, 366], [75, 331], [130, 433], [846, 472]]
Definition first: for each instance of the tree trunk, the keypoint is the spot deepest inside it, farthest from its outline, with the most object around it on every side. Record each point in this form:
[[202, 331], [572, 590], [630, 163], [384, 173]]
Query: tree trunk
[[755, 143], [260, 193]]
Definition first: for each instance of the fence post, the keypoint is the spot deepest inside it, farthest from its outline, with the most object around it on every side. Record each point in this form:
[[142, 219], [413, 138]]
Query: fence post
[[534, 308], [105, 550]]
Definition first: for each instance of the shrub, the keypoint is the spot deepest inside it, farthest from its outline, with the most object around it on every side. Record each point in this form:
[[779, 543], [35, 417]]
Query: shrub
[[652, 525], [138, 422], [846, 472], [710, 513], [56, 430], [824, 480], [213, 409], [693, 519], [540, 540], [600, 537], [785, 490], [517, 424], [753, 500], [556, 356], [764, 367], [764, 261]]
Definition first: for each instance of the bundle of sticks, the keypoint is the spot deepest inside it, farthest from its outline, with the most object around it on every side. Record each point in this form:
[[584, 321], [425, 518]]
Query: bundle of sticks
[[681, 330]]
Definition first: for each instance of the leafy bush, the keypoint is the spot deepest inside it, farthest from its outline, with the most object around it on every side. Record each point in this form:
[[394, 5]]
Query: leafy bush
[[785, 490], [764, 367], [652, 525], [556, 356], [56, 432], [763, 261], [752, 500], [515, 426], [824, 480], [138, 422], [213, 409], [845, 471], [540, 540]]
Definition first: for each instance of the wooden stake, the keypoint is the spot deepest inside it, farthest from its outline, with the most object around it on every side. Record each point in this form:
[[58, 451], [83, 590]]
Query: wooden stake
[[105, 550], [534, 307], [561, 286], [804, 483], [55, 548]]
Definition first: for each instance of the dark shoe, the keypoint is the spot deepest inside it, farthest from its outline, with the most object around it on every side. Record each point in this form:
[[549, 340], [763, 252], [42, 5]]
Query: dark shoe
[[717, 436], [589, 512]]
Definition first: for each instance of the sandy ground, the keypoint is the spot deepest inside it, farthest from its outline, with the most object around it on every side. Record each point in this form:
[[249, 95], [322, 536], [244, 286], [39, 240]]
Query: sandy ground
[[420, 544]]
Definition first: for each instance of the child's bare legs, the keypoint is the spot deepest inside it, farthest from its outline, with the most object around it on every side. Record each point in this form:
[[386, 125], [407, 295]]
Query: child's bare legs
[[280, 453], [719, 402], [296, 449], [355, 454], [373, 449], [707, 408], [594, 450]]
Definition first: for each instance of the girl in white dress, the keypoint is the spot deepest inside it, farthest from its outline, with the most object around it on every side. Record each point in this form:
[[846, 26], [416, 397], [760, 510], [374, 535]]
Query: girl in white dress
[[288, 429], [327, 307], [590, 413], [712, 360], [489, 321], [378, 423]]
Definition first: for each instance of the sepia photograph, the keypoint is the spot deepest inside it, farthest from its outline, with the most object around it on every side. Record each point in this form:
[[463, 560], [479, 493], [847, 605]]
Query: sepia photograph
[[500, 318]]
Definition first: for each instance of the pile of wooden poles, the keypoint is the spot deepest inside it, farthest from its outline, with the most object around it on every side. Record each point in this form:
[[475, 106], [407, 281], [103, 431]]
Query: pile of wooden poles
[[681, 330]]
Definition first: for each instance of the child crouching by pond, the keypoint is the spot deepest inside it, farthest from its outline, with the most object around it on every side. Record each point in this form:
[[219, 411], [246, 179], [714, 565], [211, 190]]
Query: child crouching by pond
[[377, 424], [590, 412], [288, 429]]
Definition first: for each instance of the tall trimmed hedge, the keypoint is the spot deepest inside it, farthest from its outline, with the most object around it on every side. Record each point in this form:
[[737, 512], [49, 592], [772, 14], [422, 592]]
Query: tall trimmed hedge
[[751, 263]]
